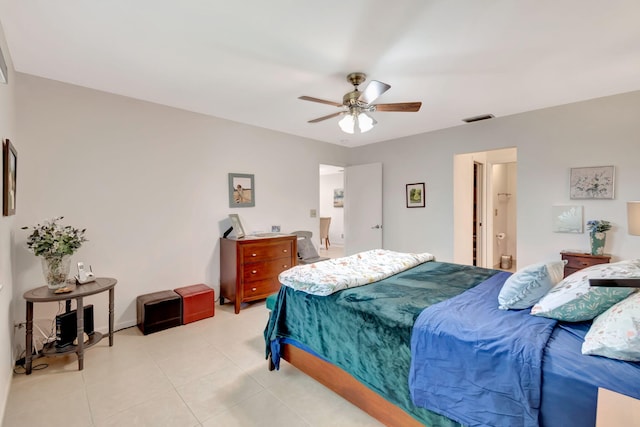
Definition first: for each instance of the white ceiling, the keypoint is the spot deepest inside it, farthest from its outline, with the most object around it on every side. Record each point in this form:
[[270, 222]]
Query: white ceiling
[[248, 61]]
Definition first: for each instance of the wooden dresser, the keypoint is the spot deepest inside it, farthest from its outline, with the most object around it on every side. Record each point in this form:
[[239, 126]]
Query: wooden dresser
[[249, 267], [577, 261]]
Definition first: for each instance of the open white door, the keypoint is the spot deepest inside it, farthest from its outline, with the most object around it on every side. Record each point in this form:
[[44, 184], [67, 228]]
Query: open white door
[[363, 208]]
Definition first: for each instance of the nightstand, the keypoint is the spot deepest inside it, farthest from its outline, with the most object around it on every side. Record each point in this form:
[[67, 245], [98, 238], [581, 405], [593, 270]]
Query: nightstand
[[615, 409], [577, 261]]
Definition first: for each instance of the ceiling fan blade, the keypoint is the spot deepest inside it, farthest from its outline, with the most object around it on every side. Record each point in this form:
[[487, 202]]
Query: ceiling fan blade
[[373, 90], [322, 101], [319, 119], [400, 106]]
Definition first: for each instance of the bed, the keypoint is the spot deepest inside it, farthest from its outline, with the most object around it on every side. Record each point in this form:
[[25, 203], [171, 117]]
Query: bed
[[361, 342]]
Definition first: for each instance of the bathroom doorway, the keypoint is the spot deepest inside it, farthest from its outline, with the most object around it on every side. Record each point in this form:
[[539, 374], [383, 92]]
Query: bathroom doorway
[[485, 208], [504, 185]]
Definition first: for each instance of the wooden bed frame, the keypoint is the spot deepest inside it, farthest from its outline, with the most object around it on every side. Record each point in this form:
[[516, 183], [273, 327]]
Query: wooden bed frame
[[348, 387]]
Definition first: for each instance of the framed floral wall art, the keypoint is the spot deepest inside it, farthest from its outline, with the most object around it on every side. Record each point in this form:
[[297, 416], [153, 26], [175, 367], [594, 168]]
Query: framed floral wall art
[[592, 182], [567, 219]]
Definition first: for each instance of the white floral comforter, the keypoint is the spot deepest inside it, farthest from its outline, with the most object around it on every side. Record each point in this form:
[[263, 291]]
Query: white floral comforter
[[327, 277]]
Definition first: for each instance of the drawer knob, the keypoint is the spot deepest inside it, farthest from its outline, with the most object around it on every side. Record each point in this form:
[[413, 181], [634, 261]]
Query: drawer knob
[[285, 266], [584, 263], [254, 254], [285, 251], [254, 271], [253, 289]]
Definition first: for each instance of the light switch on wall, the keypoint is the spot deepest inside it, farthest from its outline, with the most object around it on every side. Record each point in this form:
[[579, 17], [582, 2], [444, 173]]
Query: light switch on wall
[[313, 213]]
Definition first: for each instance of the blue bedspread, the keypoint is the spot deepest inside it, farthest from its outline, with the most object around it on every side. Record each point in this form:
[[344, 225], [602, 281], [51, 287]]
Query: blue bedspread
[[477, 364], [570, 380]]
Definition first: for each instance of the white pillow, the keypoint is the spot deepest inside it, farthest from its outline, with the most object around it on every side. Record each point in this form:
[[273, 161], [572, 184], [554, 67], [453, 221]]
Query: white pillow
[[525, 287], [574, 300], [616, 332]]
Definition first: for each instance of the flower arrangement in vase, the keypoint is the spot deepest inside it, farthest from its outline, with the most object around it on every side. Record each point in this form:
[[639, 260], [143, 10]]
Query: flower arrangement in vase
[[55, 244], [597, 235]]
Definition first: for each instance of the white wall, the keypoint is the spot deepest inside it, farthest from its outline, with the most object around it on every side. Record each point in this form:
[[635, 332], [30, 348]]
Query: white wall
[[7, 223], [149, 183], [549, 142], [328, 183]]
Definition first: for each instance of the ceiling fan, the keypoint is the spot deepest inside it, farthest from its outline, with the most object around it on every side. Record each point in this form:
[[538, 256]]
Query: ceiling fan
[[359, 104]]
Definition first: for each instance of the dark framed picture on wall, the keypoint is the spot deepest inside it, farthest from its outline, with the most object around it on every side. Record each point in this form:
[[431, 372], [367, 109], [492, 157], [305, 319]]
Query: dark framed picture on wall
[[9, 175], [415, 195], [241, 190]]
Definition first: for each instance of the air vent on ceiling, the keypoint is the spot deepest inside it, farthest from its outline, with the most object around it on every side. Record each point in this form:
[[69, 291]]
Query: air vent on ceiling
[[478, 118]]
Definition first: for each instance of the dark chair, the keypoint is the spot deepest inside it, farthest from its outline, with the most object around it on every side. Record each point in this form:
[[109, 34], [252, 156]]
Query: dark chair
[[307, 253]]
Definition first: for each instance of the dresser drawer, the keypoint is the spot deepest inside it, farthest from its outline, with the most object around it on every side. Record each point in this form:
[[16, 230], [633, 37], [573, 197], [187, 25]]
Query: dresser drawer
[[262, 252], [580, 262], [577, 261], [260, 289], [262, 270]]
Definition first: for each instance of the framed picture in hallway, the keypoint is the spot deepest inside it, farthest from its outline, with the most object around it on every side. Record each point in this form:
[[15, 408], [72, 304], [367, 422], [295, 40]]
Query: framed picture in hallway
[[10, 168], [338, 198], [241, 190], [415, 195]]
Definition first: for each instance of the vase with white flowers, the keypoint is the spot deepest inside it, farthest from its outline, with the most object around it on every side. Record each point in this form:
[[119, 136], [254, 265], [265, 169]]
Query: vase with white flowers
[[597, 235], [55, 244]]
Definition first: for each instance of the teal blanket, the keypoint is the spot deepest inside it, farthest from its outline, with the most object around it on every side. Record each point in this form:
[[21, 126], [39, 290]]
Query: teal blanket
[[366, 331]]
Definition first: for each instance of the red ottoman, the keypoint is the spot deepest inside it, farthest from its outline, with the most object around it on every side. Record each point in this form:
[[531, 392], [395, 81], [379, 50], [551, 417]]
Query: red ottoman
[[197, 302]]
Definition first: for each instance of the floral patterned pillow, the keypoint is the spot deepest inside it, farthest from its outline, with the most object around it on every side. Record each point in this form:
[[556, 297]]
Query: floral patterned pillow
[[616, 332], [525, 287], [574, 300]]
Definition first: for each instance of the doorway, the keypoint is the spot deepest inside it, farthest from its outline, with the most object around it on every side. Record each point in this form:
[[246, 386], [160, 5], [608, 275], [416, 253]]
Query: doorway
[[485, 208], [478, 211], [330, 205], [504, 183]]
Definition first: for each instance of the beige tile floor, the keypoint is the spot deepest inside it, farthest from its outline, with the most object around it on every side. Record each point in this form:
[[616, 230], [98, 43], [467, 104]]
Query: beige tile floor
[[333, 251], [207, 373]]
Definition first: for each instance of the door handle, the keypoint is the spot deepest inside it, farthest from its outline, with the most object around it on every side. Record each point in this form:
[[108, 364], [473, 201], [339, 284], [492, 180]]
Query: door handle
[[377, 226]]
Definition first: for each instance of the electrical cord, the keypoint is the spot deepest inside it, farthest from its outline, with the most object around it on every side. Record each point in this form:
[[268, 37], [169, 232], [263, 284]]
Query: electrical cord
[[38, 367], [21, 369]]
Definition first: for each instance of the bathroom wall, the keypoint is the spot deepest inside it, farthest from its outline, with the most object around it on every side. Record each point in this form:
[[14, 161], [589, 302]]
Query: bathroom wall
[[504, 184]]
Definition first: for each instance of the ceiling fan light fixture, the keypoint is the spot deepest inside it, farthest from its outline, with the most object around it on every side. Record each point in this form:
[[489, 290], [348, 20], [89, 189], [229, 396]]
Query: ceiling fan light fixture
[[356, 122], [347, 123], [365, 122], [358, 104]]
